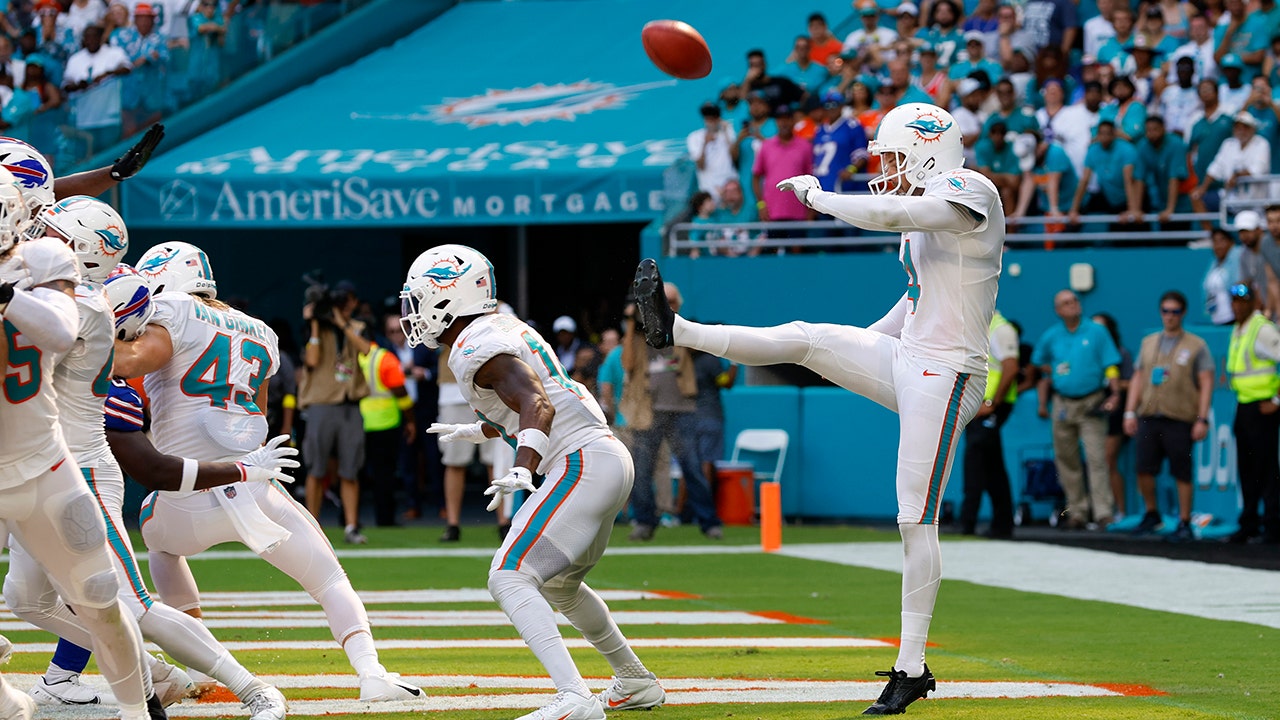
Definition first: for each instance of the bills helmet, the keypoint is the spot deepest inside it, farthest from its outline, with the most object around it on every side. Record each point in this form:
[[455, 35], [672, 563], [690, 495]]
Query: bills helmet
[[32, 171], [130, 298], [14, 216]]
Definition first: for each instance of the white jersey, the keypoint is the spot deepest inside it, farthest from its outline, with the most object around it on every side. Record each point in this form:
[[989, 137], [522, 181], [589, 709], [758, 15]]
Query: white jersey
[[578, 419], [952, 277], [30, 436], [83, 377], [203, 400]]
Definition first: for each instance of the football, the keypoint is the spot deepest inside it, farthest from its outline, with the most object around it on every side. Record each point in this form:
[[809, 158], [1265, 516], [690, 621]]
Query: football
[[677, 49]]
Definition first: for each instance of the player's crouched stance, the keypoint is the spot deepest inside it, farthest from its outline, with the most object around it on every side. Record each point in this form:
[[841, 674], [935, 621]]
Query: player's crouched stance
[[926, 359], [520, 392]]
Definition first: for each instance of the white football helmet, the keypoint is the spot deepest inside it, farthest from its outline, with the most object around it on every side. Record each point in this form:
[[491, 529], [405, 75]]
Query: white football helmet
[[445, 283], [32, 171], [14, 216], [129, 295], [927, 143], [178, 267], [93, 230]]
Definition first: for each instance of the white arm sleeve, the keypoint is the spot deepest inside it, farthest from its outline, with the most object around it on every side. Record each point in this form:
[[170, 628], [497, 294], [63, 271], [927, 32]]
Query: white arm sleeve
[[891, 323], [48, 318], [896, 213]]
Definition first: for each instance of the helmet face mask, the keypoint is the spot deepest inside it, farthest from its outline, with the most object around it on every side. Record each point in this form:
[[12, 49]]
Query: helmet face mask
[[445, 283], [14, 215], [916, 142], [92, 229], [130, 298]]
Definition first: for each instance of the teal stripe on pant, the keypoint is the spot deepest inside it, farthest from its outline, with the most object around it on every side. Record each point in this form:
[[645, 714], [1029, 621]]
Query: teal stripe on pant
[[947, 437], [118, 546], [544, 512]]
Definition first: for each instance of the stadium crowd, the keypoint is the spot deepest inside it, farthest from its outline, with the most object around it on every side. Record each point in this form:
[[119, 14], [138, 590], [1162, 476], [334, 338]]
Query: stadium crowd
[[1138, 110]]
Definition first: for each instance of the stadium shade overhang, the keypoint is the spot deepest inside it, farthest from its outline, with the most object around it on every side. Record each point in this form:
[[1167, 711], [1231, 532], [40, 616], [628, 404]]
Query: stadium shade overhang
[[493, 114]]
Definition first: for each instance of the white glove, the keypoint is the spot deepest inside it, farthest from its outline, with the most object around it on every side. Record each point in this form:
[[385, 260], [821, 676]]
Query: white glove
[[267, 462], [801, 185], [470, 432], [518, 478]]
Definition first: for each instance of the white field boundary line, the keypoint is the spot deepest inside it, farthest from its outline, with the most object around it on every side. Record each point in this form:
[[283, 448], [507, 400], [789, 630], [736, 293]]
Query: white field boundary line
[[516, 643], [410, 553], [454, 618], [249, 598]]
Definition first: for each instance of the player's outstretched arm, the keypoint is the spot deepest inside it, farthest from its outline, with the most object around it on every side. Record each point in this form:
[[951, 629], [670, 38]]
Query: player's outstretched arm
[[95, 182], [46, 314], [896, 213], [156, 471], [148, 353]]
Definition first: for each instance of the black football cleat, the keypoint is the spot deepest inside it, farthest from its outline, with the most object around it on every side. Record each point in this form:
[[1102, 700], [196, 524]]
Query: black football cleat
[[901, 692], [155, 709], [653, 313]]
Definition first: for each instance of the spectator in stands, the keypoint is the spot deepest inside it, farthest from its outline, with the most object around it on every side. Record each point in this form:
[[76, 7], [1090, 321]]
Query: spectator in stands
[[900, 78], [1251, 365], [1263, 108], [1180, 101], [208, 33], [1053, 96], [776, 89], [870, 37], [1168, 411], [1016, 118], [92, 81], [1012, 35], [733, 208], [984, 467], [983, 20], [1177, 18], [80, 14], [1222, 275], [751, 136], [801, 68], [1074, 126], [567, 341], [144, 89], [942, 32], [10, 65], [1200, 48], [997, 161], [117, 17], [1079, 362], [975, 59], [1147, 76], [1051, 22], [839, 146], [34, 79], [1162, 171], [702, 207], [586, 366], [1269, 246], [1113, 161], [908, 20], [1244, 154], [1209, 130], [1125, 111], [1151, 34], [410, 445], [1244, 36], [1255, 271], [968, 116], [1113, 51], [712, 374], [932, 79], [732, 107], [822, 44], [714, 150], [781, 157], [610, 379], [660, 402], [388, 422], [1053, 179], [1233, 91], [1099, 29], [1116, 438]]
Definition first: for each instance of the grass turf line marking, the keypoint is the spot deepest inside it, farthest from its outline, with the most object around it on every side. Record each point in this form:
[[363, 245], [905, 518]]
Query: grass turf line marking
[[572, 642], [404, 597]]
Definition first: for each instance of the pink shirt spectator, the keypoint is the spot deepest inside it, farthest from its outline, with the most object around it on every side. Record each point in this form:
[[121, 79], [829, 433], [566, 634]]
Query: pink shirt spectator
[[776, 161]]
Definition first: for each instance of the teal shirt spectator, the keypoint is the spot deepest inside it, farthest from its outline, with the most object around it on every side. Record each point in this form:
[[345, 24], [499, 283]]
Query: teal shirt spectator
[[747, 159], [1000, 162], [1250, 37], [810, 78], [1113, 50], [746, 214], [915, 95], [1077, 360], [962, 70], [700, 235], [1108, 166], [611, 372], [1056, 162], [948, 43], [1207, 135], [1131, 121], [1021, 120], [888, 13], [1158, 165], [1268, 127]]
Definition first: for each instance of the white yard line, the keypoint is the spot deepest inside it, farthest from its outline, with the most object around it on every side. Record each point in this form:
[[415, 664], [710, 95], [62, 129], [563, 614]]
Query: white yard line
[[1206, 590]]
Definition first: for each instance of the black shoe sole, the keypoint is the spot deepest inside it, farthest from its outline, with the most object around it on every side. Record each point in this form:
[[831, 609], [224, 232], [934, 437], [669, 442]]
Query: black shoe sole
[[883, 708], [649, 291]]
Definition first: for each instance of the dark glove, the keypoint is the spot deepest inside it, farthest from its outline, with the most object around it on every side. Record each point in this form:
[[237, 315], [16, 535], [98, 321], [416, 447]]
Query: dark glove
[[6, 294], [128, 165]]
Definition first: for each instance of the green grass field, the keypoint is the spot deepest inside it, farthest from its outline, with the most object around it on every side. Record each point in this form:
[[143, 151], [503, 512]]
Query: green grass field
[[1200, 668]]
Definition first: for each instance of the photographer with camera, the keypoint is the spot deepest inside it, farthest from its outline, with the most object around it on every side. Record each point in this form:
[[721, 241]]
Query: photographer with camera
[[329, 393]]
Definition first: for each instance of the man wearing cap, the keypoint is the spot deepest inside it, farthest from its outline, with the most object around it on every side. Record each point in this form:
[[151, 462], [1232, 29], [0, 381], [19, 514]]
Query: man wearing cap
[[713, 150], [1233, 91], [780, 157], [839, 145], [1125, 109], [969, 116], [870, 35], [974, 60], [1180, 101], [567, 342], [1255, 271], [802, 69], [908, 20], [1163, 168], [1251, 365], [148, 51], [1244, 154]]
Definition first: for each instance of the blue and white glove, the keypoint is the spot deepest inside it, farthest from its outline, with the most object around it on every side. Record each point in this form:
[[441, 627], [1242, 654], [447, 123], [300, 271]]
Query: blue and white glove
[[519, 478], [267, 462], [448, 432], [801, 185]]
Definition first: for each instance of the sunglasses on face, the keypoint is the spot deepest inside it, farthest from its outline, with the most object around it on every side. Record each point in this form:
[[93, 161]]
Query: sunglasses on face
[[1170, 311]]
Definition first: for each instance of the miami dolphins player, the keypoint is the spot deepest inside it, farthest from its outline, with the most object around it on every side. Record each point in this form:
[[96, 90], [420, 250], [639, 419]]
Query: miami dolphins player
[[926, 358], [44, 502], [521, 393], [98, 236], [205, 369]]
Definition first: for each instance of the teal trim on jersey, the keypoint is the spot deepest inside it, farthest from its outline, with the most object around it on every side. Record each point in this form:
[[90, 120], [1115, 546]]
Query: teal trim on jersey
[[508, 439], [940, 459], [148, 509], [544, 512], [118, 545]]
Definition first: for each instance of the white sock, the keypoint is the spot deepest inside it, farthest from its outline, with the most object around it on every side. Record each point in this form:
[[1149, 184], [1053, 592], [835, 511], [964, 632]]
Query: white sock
[[788, 343], [518, 596], [362, 655], [921, 575], [590, 616], [56, 674]]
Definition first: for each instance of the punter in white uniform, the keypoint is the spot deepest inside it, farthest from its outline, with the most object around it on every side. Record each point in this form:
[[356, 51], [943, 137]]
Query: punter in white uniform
[[98, 236], [926, 358], [44, 501], [206, 367], [519, 391]]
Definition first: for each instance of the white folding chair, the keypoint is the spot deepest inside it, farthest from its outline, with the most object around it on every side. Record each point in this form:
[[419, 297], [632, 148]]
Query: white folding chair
[[763, 441]]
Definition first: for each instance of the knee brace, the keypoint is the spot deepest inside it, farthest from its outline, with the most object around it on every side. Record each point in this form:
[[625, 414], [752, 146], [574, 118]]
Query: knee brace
[[81, 525], [98, 590]]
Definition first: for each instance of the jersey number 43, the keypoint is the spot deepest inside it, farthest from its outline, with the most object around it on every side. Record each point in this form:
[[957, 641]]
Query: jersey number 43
[[210, 375]]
